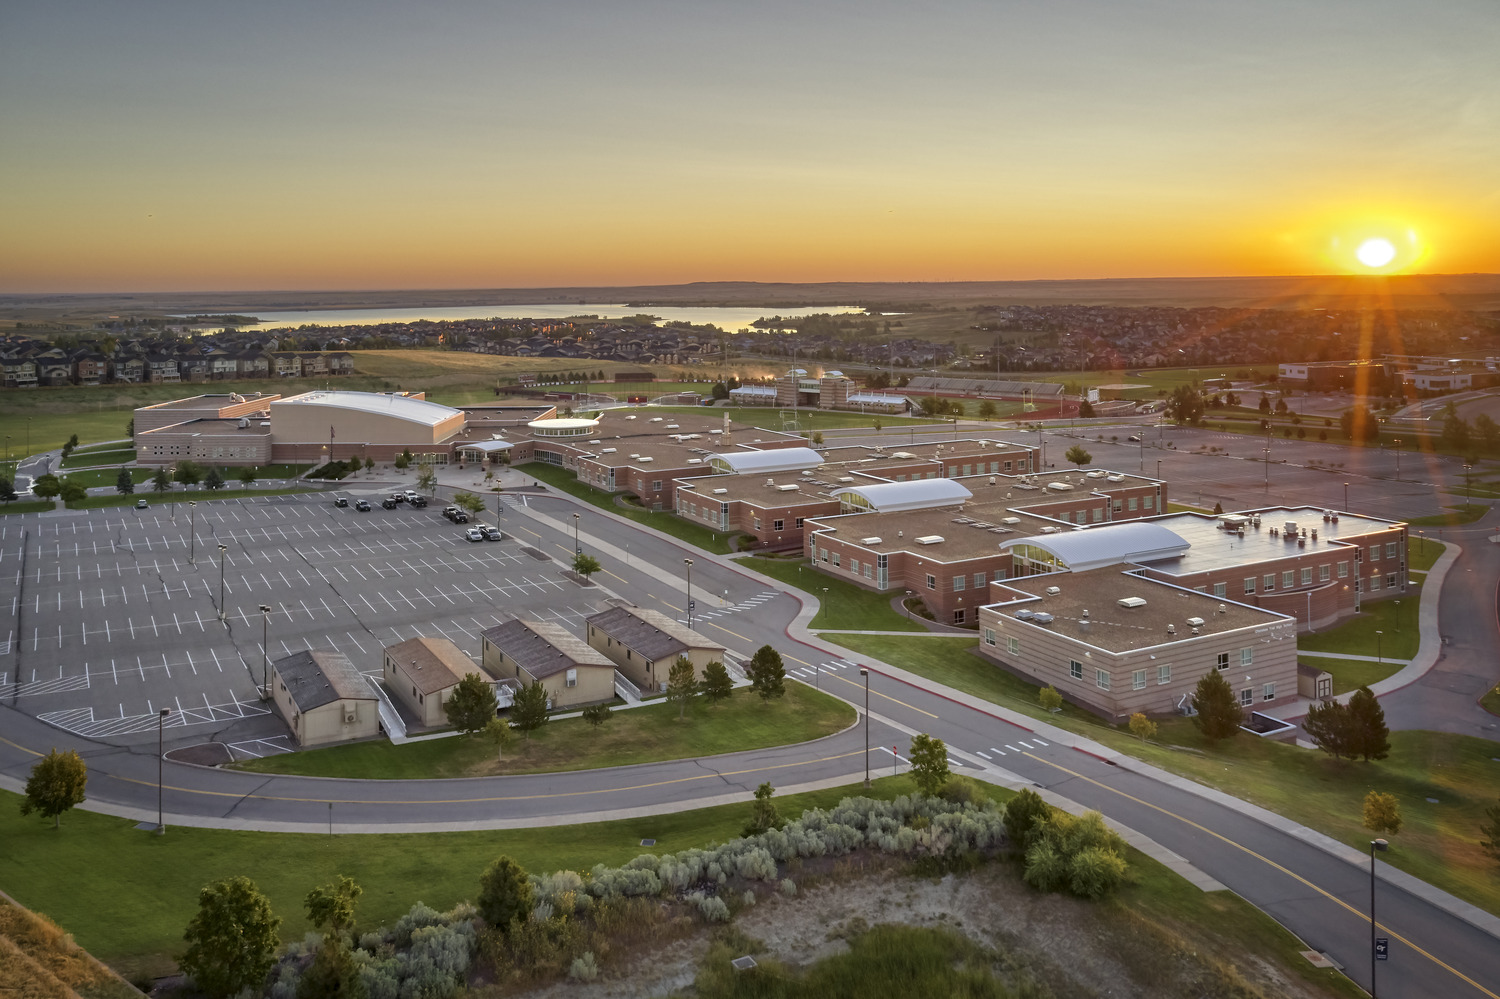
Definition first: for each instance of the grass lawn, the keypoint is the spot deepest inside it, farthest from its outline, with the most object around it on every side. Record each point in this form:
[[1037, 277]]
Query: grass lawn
[[93, 477], [1464, 513], [668, 523], [198, 496], [1439, 843], [140, 890], [844, 605], [1422, 554], [1396, 618], [1186, 508], [1351, 674], [640, 735], [30, 506], [1491, 700], [93, 457]]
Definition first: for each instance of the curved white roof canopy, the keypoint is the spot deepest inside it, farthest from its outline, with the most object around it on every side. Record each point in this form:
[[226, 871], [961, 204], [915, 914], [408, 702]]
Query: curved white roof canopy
[[918, 494], [488, 447], [1111, 544], [788, 459], [376, 403]]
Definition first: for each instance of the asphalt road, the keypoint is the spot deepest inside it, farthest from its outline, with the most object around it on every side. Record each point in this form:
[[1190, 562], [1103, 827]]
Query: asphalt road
[[1321, 898]]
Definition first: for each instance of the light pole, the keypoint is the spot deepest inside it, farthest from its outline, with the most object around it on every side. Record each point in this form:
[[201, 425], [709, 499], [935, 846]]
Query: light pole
[[1346, 497], [577, 548], [1379, 652], [1397, 445], [161, 719], [28, 435], [1422, 542], [192, 532], [1267, 450], [265, 652], [865, 675], [1158, 469], [688, 563], [906, 604], [1468, 484], [1380, 845], [222, 550]]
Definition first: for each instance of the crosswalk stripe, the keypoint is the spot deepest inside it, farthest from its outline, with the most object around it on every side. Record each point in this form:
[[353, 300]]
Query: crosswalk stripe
[[996, 751], [981, 755]]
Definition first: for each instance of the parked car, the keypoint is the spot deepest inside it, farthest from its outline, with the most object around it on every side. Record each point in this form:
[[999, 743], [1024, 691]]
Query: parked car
[[362, 506], [417, 501], [388, 503], [411, 495], [1134, 438], [399, 497], [141, 504], [456, 515], [491, 533], [474, 534]]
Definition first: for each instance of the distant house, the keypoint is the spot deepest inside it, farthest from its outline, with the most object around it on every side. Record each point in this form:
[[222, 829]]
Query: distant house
[[645, 643], [324, 698], [573, 673], [422, 672]]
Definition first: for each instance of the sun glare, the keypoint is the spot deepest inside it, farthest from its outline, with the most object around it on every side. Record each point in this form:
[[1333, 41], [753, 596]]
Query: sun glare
[[1376, 253]]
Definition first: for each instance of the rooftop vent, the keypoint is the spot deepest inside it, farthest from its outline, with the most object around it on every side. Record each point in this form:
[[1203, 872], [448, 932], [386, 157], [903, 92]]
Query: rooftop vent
[[1060, 487], [1131, 602], [656, 419], [1171, 629], [695, 461], [930, 539], [1049, 530], [1025, 615], [1195, 621], [846, 478], [869, 541], [1053, 591], [646, 459], [606, 450], [1010, 520], [790, 487], [1041, 617], [720, 492]]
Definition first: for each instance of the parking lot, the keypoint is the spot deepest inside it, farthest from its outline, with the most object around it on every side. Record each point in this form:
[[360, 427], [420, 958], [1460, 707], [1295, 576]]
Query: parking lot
[[114, 614]]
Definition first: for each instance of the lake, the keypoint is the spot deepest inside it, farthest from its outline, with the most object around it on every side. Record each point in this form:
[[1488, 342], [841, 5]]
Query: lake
[[725, 318]]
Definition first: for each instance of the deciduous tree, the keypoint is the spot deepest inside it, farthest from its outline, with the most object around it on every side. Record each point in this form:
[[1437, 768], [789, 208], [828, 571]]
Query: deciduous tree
[[1023, 814], [764, 816], [472, 502], [682, 684], [189, 473], [505, 894], [1219, 713], [247, 476], [767, 674], [46, 486], [56, 784], [528, 711], [1078, 455], [717, 685], [1050, 698], [330, 907], [71, 491], [1382, 813], [497, 730], [1141, 727], [1331, 729], [427, 480], [471, 705], [232, 940], [585, 565], [7, 489], [1489, 829], [929, 763]]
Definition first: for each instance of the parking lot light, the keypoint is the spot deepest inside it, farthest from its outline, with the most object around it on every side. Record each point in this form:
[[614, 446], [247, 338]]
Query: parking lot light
[[222, 550], [689, 565], [161, 720], [265, 652], [192, 532]]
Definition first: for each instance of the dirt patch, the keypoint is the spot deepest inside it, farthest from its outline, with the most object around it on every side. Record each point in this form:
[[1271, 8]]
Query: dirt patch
[[1077, 949]]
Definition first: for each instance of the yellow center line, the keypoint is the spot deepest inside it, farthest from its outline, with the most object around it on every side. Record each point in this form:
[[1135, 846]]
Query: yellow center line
[[728, 632], [608, 573], [877, 693], [1271, 863]]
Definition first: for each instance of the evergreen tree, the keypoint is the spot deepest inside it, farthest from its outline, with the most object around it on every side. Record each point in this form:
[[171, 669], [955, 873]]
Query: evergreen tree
[[764, 817], [161, 481], [1023, 814], [528, 711], [682, 684], [214, 479], [1331, 729], [471, 705], [596, 715], [717, 685], [1219, 714], [124, 482], [505, 894], [247, 476], [1490, 830], [767, 674], [7, 489], [1367, 719]]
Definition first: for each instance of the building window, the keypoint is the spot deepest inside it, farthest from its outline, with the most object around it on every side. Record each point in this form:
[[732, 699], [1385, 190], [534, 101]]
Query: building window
[[1374, 553], [656, 485], [978, 580], [1307, 575], [998, 575], [1390, 549], [572, 679], [1223, 662], [1374, 583], [778, 525], [1249, 584], [854, 566], [836, 557], [960, 582], [1325, 572], [958, 616], [1149, 502], [1132, 503], [1268, 582], [1343, 570], [1247, 657], [1101, 679], [1075, 669], [868, 574], [1288, 579], [1268, 692], [1221, 589], [989, 636], [756, 523], [931, 582], [798, 522], [1390, 580], [1138, 680], [1163, 674], [1247, 697], [1013, 645]]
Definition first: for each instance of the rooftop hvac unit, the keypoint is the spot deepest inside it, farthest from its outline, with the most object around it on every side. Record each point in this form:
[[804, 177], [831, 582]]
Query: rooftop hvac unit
[[607, 450], [790, 487], [1171, 629], [1041, 617], [1010, 520], [656, 419], [1053, 591], [1097, 474], [644, 460], [1049, 530], [716, 431], [631, 417], [1131, 602], [930, 539], [695, 461], [1290, 527], [846, 478], [1060, 487], [869, 541], [244, 423], [596, 441], [1115, 478], [635, 455], [1195, 621], [1025, 615], [720, 492], [673, 426]]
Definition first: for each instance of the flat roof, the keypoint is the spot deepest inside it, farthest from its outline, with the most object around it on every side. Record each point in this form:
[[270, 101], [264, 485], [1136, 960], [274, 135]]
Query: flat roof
[[964, 535], [214, 399], [1213, 549], [375, 404], [1120, 629], [754, 489]]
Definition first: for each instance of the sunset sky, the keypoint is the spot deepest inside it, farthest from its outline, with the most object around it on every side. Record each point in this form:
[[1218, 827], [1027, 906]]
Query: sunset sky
[[150, 145]]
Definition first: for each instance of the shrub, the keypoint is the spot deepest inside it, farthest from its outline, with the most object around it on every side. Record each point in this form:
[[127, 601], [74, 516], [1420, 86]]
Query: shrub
[[1022, 814], [711, 908], [788, 887], [584, 968]]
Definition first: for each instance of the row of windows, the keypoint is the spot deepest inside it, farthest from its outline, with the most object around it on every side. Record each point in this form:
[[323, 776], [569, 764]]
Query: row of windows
[[979, 469]]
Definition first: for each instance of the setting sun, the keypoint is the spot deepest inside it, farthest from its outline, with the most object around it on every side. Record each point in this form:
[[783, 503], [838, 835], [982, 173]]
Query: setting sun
[[1376, 252]]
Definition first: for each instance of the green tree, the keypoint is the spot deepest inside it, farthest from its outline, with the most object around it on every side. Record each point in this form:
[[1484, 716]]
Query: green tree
[[1456, 431], [1331, 729], [471, 705], [1049, 698], [498, 731], [1078, 456], [1382, 813], [767, 673], [1281, 406], [130, 428], [330, 907], [1023, 814], [876, 425], [189, 473], [505, 895], [404, 459], [596, 715], [427, 480], [528, 712], [1086, 410], [124, 482], [247, 476], [161, 481], [369, 464], [682, 684], [1141, 727], [717, 686], [1488, 431], [763, 817], [1219, 713], [987, 410], [214, 480], [472, 502], [56, 784], [1360, 424], [232, 940], [1185, 405], [1265, 404], [1489, 830], [1367, 719], [7, 489], [333, 973], [72, 491], [585, 565], [46, 486], [929, 763]]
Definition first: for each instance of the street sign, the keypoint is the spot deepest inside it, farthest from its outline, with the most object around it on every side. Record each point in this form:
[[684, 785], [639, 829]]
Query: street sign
[[1382, 948]]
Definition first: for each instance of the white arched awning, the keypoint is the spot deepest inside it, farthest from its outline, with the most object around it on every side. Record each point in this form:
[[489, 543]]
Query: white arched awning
[[891, 497], [1111, 544], [770, 461], [484, 449]]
